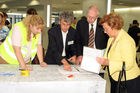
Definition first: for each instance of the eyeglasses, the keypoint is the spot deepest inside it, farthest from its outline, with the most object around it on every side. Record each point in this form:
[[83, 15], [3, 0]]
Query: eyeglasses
[[106, 29], [89, 17]]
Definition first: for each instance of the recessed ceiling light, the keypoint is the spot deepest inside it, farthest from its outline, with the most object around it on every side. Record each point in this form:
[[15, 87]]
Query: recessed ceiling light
[[34, 2], [4, 6]]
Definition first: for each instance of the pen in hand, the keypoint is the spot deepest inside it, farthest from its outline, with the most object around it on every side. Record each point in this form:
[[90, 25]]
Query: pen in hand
[[77, 69]]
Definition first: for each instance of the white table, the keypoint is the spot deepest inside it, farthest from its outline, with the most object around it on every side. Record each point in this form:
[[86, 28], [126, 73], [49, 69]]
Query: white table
[[49, 80]]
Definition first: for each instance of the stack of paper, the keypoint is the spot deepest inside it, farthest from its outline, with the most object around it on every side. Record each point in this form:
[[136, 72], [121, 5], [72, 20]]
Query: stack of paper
[[89, 62]]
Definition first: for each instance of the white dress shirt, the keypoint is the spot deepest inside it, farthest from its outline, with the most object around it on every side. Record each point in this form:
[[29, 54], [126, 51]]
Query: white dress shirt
[[64, 36], [94, 27]]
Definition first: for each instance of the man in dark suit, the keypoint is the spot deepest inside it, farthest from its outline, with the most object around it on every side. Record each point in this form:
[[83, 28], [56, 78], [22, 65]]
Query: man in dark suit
[[83, 30], [61, 48], [134, 30]]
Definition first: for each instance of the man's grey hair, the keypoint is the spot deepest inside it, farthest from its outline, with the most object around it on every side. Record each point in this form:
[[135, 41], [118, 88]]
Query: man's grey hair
[[67, 16]]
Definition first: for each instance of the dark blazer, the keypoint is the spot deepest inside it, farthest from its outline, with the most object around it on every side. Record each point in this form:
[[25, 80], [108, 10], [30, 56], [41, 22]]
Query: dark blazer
[[133, 31], [82, 36], [55, 46]]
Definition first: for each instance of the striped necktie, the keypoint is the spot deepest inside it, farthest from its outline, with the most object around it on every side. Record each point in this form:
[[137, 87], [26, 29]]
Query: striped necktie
[[91, 37]]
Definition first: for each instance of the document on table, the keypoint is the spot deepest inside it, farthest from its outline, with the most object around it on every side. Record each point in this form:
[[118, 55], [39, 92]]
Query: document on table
[[89, 62], [64, 72]]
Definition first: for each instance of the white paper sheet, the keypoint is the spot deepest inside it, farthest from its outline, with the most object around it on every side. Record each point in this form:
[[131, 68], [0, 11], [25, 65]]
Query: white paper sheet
[[89, 62], [64, 72]]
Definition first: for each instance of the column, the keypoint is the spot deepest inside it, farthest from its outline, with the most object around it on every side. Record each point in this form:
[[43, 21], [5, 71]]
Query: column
[[46, 14]]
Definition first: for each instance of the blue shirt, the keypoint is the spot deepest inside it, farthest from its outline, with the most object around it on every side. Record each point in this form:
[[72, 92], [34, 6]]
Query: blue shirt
[[3, 33]]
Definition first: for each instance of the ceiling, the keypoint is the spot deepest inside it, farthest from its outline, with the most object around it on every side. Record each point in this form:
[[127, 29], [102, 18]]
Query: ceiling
[[60, 5]]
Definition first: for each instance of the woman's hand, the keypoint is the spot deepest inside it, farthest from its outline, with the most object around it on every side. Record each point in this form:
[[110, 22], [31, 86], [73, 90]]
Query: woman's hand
[[43, 64], [40, 56], [20, 59], [102, 61], [27, 68]]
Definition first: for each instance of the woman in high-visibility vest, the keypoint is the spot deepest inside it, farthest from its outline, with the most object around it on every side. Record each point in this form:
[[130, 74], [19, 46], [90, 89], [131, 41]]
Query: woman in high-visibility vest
[[23, 43]]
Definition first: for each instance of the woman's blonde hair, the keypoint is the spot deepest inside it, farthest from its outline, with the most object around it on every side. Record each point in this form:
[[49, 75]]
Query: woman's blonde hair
[[34, 20]]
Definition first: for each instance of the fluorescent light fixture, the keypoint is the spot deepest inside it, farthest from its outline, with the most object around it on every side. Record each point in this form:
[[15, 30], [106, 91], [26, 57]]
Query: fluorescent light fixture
[[48, 15], [126, 9], [4, 6], [108, 6], [34, 2], [78, 12], [136, 8], [16, 14], [122, 9]]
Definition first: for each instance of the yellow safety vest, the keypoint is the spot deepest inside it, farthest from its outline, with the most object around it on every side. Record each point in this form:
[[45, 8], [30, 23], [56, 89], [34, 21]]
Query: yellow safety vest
[[73, 26], [7, 51]]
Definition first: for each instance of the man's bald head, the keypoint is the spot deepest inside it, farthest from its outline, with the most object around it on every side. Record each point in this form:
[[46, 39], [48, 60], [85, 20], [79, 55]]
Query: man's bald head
[[93, 14]]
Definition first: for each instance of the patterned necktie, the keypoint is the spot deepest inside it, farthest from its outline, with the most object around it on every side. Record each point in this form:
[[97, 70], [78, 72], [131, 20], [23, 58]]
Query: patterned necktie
[[91, 37]]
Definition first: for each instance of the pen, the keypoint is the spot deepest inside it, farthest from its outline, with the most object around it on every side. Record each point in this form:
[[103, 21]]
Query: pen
[[68, 61], [77, 69], [21, 69]]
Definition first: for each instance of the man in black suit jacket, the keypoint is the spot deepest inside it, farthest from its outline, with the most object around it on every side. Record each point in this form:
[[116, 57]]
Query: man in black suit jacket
[[134, 30], [61, 48], [83, 29]]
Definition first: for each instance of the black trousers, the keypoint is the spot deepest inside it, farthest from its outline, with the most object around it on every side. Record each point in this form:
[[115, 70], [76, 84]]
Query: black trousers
[[133, 86]]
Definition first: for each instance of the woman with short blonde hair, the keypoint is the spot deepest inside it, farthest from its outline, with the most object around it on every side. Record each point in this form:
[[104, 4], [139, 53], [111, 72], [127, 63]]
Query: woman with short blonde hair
[[23, 43]]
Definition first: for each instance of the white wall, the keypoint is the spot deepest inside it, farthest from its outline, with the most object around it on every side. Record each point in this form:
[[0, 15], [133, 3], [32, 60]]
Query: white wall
[[45, 31], [128, 16]]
